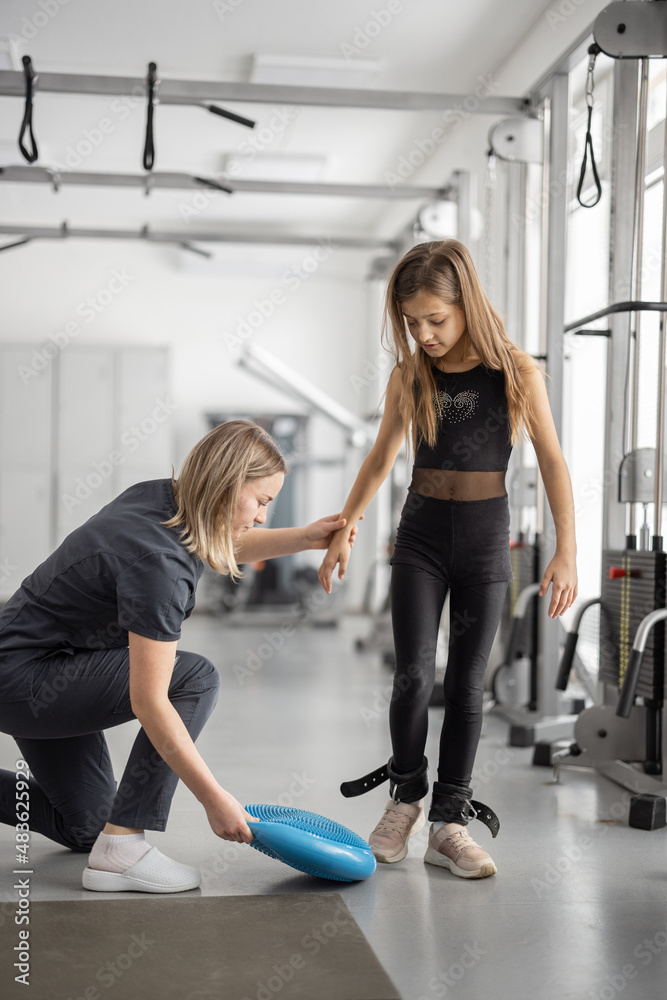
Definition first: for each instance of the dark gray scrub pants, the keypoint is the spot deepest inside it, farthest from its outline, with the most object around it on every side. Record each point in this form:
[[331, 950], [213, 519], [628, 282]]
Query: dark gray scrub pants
[[59, 732]]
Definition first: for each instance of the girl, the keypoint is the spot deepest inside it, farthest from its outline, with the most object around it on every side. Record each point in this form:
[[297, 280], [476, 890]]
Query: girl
[[468, 393], [89, 641]]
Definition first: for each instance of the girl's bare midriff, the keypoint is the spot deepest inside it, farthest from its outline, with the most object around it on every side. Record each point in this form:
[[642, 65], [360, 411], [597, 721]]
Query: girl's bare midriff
[[458, 485]]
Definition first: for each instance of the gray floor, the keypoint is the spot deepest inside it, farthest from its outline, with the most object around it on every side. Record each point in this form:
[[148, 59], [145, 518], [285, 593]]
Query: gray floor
[[578, 908]]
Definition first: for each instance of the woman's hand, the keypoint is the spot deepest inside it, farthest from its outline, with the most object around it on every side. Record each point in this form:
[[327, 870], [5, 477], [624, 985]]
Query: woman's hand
[[320, 534], [562, 574], [338, 553], [228, 819]]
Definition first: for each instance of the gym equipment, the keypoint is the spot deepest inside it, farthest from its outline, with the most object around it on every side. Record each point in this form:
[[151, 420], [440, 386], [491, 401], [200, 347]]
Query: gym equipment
[[623, 740], [311, 843]]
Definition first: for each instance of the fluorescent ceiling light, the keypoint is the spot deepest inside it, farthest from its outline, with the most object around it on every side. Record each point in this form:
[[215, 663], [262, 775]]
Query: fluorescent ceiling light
[[312, 71], [274, 167]]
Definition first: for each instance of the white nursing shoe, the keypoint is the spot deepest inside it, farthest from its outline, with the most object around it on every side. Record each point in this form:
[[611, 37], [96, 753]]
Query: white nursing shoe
[[155, 872]]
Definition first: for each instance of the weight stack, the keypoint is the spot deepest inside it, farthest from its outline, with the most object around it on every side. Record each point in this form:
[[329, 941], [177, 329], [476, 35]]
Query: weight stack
[[633, 585]]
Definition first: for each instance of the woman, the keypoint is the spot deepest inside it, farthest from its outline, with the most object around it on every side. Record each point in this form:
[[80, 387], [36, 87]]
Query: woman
[[89, 642], [466, 392]]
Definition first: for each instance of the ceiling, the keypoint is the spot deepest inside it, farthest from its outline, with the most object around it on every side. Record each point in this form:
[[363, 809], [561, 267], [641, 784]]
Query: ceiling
[[423, 45]]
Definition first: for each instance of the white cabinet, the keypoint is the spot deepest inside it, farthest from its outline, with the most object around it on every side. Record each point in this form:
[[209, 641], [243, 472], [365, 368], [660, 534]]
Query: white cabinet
[[75, 430]]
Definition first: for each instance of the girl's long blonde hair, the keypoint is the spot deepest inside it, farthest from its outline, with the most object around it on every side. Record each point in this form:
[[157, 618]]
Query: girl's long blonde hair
[[446, 269], [208, 488]]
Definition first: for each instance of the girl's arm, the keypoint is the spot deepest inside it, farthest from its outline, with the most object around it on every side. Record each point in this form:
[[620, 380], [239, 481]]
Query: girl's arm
[[374, 470], [562, 570], [268, 543], [151, 667]]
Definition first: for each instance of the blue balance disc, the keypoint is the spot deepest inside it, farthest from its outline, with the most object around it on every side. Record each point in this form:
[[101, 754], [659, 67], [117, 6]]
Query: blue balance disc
[[311, 843]]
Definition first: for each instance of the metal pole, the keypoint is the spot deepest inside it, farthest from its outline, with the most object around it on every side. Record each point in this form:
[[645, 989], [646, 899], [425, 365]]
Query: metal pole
[[557, 193], [638, 239], [462, 181], [165, 179], [660, 419], [622, 220], [203, 236], [196, 92]]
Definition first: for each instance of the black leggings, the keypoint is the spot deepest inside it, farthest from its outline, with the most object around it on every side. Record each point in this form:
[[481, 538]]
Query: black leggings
[[59, 733], [461, 547]]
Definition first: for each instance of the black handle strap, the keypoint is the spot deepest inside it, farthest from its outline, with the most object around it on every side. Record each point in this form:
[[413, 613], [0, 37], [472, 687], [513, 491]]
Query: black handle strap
[[589, 146], [151, 87], [26, 125], [593, 52], [223, 113]]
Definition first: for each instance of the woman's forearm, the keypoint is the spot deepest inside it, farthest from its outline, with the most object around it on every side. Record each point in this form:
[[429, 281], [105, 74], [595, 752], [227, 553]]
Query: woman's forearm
[[268, 543], [166, 731]]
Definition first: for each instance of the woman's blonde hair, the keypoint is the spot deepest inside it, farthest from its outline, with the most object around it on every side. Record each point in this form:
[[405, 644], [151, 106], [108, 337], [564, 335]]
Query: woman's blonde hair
[[446, 269], [208, 488]]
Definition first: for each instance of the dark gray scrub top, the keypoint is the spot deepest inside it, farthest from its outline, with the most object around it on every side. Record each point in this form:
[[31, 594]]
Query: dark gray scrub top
[[122, 571]]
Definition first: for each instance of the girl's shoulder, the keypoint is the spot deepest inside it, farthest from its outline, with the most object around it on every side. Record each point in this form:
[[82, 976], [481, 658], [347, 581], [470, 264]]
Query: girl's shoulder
[[525, 364]]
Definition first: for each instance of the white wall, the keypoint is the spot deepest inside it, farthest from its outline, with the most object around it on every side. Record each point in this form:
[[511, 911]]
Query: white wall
[[319, 326]]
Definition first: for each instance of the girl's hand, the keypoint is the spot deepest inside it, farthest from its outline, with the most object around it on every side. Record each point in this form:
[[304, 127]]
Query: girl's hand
[[338, 552], [320, 534], [229, 820], [562, 574]]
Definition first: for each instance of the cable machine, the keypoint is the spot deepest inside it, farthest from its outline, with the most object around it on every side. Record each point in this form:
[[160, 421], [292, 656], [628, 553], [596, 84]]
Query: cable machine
[[621, 738]]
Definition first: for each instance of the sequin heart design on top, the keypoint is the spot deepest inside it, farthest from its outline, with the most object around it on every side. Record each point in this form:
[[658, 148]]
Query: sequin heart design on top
[[462, 406]]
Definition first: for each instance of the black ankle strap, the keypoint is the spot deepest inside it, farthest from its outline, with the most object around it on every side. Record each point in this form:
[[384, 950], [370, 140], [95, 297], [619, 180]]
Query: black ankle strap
[[487, 816], [403, 787], [351, 788]]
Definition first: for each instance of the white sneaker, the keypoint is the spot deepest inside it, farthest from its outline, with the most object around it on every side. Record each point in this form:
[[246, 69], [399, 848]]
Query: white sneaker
[[452, 847], [155, 872], [400, 821]]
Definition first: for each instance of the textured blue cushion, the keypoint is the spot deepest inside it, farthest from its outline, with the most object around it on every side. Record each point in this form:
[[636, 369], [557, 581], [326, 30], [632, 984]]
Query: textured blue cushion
[[311, 843]]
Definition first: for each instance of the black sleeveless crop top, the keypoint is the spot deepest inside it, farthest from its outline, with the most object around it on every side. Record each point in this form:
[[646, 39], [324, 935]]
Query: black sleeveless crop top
[[474, 432]]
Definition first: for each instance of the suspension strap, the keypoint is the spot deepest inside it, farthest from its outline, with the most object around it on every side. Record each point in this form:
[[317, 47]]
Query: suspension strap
[[593, 53], [152, 83], [26, 125]]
